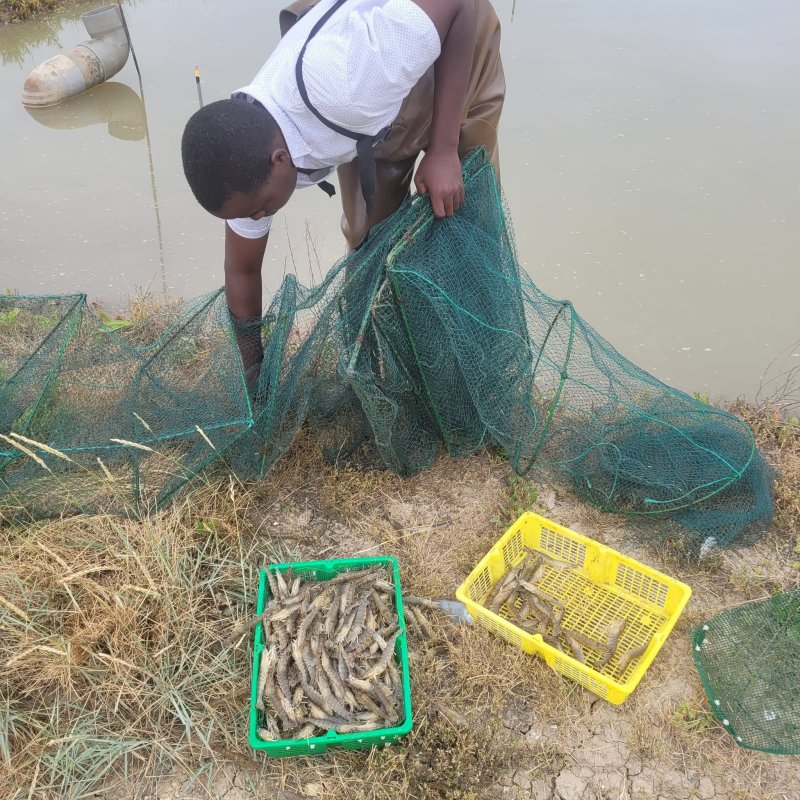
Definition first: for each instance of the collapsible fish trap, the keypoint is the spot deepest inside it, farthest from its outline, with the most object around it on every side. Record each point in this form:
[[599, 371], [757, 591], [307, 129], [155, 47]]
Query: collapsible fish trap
[[430, 336], [586, 590], [316, 745], [748, 658]]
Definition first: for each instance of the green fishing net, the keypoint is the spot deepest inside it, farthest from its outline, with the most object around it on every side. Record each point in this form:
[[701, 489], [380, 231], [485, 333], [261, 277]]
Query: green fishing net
[[428, 336], [749, 661]]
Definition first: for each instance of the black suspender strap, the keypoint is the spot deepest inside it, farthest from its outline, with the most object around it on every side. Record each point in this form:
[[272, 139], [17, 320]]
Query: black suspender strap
[[364, 143], [326, 186]]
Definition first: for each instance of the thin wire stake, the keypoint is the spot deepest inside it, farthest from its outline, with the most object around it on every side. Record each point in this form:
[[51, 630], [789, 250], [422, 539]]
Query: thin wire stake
[[130, 41], [149, 151], [197, 81]]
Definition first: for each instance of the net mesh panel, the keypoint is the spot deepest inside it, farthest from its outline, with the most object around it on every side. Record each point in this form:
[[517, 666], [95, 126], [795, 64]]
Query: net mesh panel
[[427, 336], [749, 661]]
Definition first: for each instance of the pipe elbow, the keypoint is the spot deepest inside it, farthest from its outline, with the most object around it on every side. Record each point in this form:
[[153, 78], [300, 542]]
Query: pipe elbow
[[86, 65]]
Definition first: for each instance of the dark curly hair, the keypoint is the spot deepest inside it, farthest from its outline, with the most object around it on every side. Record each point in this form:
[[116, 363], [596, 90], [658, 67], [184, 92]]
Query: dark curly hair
[[226, 148]]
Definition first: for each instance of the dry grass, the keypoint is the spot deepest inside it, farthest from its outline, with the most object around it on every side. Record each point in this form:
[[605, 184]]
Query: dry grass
[[112, 662], [778, 435], [18, 10], [111, 650], [114, 675]]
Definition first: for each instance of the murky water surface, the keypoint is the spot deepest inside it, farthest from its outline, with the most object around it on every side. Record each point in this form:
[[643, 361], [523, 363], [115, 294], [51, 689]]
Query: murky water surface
[[649, 154]]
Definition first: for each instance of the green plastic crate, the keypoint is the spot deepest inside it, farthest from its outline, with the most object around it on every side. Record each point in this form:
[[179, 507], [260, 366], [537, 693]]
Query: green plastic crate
[[320, 571]]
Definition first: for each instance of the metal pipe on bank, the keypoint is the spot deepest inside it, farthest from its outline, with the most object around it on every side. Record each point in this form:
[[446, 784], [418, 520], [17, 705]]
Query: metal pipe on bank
[[86, 65]]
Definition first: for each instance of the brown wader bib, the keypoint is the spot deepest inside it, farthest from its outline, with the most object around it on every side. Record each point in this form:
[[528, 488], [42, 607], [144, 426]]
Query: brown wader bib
[[408, 136]]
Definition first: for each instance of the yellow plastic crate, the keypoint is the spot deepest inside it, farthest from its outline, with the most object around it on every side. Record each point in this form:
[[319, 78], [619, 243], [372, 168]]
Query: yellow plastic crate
[[604, 587]]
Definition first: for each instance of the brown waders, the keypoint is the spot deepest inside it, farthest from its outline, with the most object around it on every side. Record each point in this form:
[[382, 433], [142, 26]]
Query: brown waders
[[396, 154]]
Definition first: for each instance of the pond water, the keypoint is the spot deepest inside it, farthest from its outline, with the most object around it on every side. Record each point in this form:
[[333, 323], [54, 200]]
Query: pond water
[[648, 151]]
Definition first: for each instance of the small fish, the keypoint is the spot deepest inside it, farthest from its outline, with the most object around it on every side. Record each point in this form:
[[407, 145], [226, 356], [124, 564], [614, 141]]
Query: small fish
[[345, 599], [633, 653], [332, 617], [302, 631], [411, 600], [282, 672], [553, 642], [283, 588], [306, 732], [273, 584], [614, 631], [453, 717], [612, 641], [421, 622], [388, 653], [412, 625], [529, 567], [587, 641], [358, 620], [381, 607], [575, 647], [344, 628], [320, 634], [551, 561], [507, 587], [535, 590], [263, 670]]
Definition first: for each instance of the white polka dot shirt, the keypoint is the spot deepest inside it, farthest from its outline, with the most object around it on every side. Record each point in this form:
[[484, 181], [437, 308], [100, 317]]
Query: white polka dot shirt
[[358, 69]]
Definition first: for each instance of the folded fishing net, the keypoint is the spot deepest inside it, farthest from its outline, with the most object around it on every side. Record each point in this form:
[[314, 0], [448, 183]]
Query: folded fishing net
[[749, 661], [427, 336]]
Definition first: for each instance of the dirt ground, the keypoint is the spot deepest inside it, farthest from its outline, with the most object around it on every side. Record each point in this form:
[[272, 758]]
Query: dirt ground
[[519, 730]]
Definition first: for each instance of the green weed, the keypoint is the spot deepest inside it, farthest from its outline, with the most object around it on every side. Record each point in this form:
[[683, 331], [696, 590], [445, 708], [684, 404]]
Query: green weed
[[114, 323], [519, 498], [692, 718], [7, 318]]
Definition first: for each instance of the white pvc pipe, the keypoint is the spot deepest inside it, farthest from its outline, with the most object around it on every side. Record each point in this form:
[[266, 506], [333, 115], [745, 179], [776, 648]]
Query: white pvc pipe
[[84, 66]]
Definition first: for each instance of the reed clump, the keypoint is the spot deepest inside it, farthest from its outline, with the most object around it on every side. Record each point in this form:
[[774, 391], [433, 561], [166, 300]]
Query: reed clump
[[112, 651], [17, 10]]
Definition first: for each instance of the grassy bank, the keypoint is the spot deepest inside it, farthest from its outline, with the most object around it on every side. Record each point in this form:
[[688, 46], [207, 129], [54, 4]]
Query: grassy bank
[[42, 21], [116, 678], [18, 10], [117, 681]]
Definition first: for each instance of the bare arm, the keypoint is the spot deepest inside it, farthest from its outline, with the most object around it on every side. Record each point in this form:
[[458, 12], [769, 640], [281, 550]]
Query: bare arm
[[243, 260], [439, 173]]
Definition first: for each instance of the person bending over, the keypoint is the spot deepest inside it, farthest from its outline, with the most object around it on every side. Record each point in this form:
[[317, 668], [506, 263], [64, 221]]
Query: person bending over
[[364, 86]]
